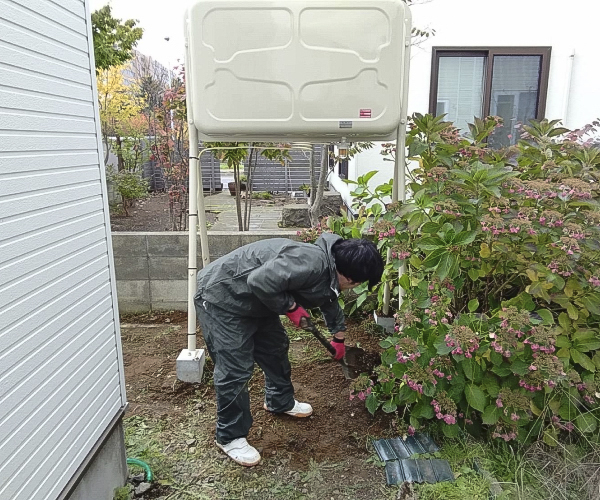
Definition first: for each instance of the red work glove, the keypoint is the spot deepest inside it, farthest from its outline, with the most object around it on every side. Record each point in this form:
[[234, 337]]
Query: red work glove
[[340, 348], [296, 314]]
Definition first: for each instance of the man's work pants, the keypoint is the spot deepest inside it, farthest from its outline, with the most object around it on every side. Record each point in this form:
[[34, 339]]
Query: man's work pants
[[234, 343]]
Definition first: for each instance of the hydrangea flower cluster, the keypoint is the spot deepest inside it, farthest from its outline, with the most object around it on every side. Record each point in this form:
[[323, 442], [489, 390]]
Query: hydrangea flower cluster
[[383, 229], [400, 252], [569, 427], [311, 234], [361, 387], [463, 340], [448, 207], [416, 376], [442, 367], [546, 369], [506, 432], [407, 350], [438, 174], [541, 339], [444, 408], [513, 402]]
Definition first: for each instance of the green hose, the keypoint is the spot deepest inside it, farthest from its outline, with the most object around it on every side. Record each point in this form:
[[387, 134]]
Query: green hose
[[143, 465]]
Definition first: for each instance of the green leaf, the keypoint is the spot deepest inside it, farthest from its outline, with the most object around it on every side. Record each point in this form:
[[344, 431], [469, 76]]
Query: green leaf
[[473, 274], [592, 303], [490, 382], [446, 262], [430, 228], [386, 343], [433, 259], [596, 359], [496, 358], [422, 409], [464, 238], [473, 305], [441, 347], [520, 367], [371, 403], [586, 423], [450, 431], [563, 320], [415, 261], [484, 251], [567, 410], [389, 406], [572, 311], [550, 437], [502, 371], [428, 389], [546, 315], [475, 397], [431, 243], [404, 281], [415, 221], [585, 341], [582, 359], [467, 366], [562, 341], [491, 414]]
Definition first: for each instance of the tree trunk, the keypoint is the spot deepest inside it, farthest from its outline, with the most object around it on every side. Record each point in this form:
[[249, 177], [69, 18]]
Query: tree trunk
[[249, 191], [317, 194], [120, 160], [106, 148], [238, 203]]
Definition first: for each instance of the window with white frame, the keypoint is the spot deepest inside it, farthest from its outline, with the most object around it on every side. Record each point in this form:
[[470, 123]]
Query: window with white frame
[[510, 82]]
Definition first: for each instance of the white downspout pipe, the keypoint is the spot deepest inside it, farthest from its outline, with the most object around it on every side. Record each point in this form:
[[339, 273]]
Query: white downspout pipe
[[567, 93], [399, 183]]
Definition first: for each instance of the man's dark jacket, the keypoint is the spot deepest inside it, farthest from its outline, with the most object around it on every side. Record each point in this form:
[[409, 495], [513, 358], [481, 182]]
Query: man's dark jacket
[[267, 277]]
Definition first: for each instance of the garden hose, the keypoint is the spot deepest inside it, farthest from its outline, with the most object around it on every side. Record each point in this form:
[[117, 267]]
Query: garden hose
[[143, 465]]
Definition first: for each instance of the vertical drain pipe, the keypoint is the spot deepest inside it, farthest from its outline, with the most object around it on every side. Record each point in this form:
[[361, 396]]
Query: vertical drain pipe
[[567, 94], [399, 184]]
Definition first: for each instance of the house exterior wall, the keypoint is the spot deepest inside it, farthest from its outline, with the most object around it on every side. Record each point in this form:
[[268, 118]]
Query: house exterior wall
[[565, 27], [61, 370]]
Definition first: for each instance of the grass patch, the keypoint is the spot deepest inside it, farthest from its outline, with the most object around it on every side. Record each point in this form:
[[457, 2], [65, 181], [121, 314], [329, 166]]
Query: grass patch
[[534, 472]]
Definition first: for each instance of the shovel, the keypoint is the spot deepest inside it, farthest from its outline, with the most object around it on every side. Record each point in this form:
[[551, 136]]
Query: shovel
[[354, 360]]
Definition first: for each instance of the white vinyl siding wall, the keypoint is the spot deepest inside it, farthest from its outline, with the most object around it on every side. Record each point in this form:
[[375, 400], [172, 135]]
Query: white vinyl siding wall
[[61, 380]]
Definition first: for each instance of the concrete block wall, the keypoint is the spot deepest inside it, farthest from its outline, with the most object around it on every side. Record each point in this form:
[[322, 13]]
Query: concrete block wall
[[151, 268]]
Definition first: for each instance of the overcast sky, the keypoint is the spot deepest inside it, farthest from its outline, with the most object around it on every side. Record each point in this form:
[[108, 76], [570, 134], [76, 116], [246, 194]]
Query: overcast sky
[[160, 19]]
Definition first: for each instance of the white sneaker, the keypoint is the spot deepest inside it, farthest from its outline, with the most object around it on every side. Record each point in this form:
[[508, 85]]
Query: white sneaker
[[299, 410], [241, 452]]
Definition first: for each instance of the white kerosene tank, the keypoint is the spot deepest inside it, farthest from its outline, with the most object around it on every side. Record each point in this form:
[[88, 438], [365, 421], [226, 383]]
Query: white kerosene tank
[[312, 70]]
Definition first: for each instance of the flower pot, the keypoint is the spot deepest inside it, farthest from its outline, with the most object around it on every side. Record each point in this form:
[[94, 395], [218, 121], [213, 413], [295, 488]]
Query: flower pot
[[231, 186], [232, 190], [388, 323]]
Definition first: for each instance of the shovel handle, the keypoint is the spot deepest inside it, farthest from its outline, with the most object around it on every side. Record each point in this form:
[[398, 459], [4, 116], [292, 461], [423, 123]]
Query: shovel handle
[[307, 324]]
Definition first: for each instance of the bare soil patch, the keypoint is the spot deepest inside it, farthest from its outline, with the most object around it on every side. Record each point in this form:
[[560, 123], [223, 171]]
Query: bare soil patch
[[152, 214], [333, 442]]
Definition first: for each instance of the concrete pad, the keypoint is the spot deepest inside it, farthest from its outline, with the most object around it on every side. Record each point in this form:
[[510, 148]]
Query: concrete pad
[[190, 365]]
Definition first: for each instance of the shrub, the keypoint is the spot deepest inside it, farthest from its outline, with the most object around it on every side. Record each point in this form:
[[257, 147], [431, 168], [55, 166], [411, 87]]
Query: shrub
[[498, 330], [130, 185]]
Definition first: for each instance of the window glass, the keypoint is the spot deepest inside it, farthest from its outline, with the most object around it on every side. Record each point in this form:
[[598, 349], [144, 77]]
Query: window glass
[[514, 94], [460, 89]]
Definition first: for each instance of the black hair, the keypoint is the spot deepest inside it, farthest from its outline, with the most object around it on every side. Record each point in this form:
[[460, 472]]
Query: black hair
[[358, 260]]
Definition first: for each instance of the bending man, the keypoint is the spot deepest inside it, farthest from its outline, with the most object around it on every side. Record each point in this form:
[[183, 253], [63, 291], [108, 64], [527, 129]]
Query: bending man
[[239, 299]]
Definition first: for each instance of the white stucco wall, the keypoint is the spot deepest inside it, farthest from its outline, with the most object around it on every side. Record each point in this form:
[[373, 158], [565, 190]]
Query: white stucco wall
[[61, 366], [566, 27]]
